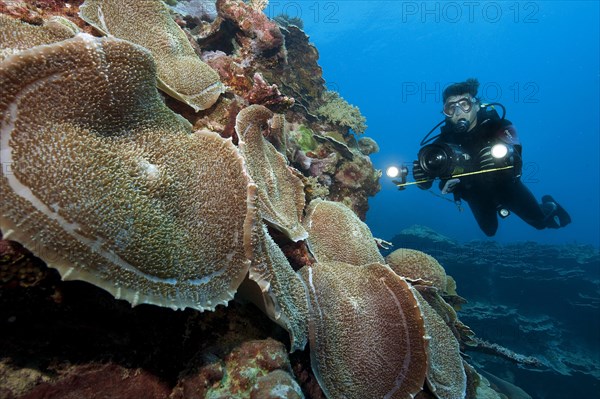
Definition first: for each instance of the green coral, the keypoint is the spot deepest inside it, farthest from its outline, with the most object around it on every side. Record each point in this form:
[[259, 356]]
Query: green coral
[[304, 136], [337, 110]]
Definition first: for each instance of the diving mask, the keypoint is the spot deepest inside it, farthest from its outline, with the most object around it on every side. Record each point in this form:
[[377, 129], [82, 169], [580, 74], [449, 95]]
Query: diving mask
[[465, 104]]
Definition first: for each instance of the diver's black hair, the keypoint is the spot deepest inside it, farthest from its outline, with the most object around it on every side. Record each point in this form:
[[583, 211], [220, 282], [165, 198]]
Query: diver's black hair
[[468, 86]]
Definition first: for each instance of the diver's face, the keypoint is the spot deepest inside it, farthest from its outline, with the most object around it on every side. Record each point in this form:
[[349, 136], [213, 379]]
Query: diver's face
[[460, 107]]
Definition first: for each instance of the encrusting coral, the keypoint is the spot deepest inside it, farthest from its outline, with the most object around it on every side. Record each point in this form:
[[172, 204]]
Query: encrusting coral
[[280, 192], [256, 26], [119, 193], [181, 73], [335, 233], [366, 332]]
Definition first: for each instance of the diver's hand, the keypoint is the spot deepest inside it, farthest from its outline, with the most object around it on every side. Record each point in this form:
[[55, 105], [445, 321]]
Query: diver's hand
[[450, 186], [486, 161]]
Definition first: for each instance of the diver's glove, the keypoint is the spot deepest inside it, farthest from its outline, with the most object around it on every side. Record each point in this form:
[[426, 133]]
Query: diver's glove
[[450, 186], [487, 161], [419, 175]]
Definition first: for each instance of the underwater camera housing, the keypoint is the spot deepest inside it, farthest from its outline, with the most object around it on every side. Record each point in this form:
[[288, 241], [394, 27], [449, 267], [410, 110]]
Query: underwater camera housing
[[442, 160]]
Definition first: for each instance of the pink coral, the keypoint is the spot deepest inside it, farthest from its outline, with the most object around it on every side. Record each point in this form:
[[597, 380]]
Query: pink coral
[[232, 73], [268, 95], [350, 175], [255, 25]]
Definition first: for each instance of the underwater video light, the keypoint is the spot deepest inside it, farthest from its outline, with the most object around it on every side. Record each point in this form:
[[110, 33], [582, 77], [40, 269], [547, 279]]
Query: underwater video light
[[392, 171], [499, 151]]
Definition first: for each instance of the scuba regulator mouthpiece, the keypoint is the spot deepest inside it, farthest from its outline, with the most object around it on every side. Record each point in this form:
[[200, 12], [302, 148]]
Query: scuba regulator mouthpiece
[[462, 126]]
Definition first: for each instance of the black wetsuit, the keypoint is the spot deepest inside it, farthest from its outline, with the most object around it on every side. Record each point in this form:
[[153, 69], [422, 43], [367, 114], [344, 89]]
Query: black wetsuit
[[486, 193]]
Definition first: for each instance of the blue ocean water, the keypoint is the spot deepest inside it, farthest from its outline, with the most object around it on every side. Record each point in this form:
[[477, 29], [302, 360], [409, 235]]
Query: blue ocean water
[[540, 59]]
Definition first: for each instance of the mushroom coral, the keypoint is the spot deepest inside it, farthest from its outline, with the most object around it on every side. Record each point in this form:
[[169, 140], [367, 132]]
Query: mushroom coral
[[335, 233], [107, 185], [366, 332], [181, 73], [415, 265], [280, 192], [16, 36]]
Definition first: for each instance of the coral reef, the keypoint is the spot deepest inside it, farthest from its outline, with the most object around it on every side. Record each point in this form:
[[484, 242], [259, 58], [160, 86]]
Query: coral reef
[[300, 76], [258, 5], [282, 294], [367, 146], [149, 201], [286, 20], [417, 237], [416, 264], [181, 73], [267, 95], [337, 163], [37, 12], [16, 36], [337, 110], [446, 375], [254, 369], [539, 300], [197, 10], [88, 344]]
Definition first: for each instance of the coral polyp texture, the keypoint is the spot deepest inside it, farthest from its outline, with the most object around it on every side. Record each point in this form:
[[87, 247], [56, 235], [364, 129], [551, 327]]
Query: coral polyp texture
[[280, 192], [366, 332], [109, 186], [282, 292], [181, 73], [16, 36], [337, 234], [446, 375], [415, 265]]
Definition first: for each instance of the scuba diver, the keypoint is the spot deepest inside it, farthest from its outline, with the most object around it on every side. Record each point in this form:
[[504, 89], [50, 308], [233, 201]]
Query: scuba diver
[[477, 157]]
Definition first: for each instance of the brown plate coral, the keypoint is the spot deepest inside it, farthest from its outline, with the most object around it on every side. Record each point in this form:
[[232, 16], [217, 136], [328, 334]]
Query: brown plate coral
[[181, 73], [366, 332], [108, 185]]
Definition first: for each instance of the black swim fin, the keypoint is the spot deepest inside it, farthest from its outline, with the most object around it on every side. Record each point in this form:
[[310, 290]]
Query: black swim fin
[[557, 211]]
